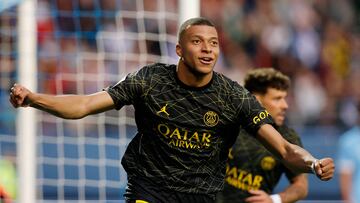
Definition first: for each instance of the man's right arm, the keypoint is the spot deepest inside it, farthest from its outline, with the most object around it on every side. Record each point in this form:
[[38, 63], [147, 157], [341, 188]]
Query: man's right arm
[[63, 106], [294, 157]]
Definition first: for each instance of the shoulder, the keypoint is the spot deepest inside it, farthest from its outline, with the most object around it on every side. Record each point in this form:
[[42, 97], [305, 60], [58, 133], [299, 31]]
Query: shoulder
[[150, 71], [158, 68], [226, 83]]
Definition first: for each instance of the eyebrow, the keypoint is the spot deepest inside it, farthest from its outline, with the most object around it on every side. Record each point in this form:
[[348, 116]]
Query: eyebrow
[[200, 36]]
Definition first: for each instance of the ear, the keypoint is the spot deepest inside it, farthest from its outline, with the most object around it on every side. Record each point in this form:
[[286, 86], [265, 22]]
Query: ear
[[178, 50]]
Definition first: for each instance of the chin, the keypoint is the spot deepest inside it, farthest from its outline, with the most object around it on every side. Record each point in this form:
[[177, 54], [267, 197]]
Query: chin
[[205, 69], [279, 123]]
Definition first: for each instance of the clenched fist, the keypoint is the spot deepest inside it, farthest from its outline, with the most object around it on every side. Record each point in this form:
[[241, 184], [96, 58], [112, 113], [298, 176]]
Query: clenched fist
[[324, 168], [19, 96]]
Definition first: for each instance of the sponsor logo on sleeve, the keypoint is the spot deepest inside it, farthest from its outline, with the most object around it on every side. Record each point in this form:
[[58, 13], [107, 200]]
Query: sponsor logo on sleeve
[[261, 116]]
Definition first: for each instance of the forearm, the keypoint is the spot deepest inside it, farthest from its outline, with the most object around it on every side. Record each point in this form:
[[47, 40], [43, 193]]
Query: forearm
[[297, 190], [63, 106], [296, 158]]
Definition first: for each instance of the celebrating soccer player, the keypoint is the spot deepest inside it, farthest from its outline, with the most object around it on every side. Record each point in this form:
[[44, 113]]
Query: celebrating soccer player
[[187, 115]]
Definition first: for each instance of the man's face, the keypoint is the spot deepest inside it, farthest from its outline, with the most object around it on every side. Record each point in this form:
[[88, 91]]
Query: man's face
[[199, 48], [275, 103]]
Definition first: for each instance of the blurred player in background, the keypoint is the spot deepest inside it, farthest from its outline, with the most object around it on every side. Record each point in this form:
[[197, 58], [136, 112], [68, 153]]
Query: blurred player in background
[[4, 196], [7, 180], [349, 163], [187, 115], [252, 172]]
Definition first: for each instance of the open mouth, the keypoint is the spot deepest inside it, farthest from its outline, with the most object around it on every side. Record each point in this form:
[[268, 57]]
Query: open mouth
[[282, 116], [206, 60]]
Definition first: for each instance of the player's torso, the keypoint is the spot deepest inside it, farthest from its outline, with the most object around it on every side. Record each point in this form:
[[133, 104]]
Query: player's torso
[[191, 119], [251, 166], [184, 129]]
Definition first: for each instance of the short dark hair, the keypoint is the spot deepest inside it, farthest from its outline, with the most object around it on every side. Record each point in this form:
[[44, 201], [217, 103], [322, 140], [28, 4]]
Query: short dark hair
[[260, 79], [191, 22]]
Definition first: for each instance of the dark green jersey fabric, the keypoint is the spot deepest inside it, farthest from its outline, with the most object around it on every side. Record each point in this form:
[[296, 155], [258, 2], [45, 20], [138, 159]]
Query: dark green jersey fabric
[[184, 133], [251, 166]]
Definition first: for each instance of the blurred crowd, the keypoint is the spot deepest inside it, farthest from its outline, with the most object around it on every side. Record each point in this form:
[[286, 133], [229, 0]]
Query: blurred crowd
[[316, 43]]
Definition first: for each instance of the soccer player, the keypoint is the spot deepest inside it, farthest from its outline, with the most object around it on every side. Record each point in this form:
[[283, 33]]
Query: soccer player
[[252, 172], [7, 180], [4, 197], [349, 163], [187, 115]]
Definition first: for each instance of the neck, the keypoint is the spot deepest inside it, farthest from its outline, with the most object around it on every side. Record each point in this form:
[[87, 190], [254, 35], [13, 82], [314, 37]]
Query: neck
[[191, 77]]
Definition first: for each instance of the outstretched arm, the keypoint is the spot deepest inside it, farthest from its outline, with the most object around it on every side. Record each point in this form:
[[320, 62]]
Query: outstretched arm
[[63, 106], [294, 157]]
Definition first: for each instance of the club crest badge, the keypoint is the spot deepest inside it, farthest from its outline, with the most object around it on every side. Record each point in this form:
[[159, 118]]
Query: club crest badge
[[268, 163], [211, 118]]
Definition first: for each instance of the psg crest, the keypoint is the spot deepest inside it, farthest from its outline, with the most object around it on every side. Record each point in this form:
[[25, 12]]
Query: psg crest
[[211, 118]]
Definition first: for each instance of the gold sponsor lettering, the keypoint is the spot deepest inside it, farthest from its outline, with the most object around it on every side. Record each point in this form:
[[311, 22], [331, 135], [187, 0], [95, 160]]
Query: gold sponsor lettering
[[206, 138], [257, 181], [241, 174], [230, 155], [232, 172], [256, 119], [181, 143], [242, 179], [262, 115], [185, 135], [240, 185], [195, 136], [248, 179], [161, 128], [172, 142], [184, 139], [177, 133]]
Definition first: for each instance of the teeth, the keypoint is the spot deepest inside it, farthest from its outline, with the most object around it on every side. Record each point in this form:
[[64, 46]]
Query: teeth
[[206, 59]]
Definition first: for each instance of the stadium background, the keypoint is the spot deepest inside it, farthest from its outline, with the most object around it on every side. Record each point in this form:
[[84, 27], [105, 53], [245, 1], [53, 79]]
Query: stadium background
[[85, 45]]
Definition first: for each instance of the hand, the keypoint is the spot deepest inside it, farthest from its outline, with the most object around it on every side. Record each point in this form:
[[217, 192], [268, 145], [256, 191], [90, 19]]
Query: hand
[[258, 196], [18, 96], [325, 168]]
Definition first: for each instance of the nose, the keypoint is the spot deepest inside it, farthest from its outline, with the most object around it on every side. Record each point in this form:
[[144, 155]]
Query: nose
[[206, 47], [284, 104]]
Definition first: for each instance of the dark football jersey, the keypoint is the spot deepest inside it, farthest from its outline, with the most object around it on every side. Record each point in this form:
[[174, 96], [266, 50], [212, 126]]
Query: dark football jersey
[[251, 166], [184, 133]]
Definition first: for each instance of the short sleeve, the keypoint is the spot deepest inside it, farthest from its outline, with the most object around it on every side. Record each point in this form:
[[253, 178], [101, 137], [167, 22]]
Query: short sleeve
[[250, 112], [128, 90]]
